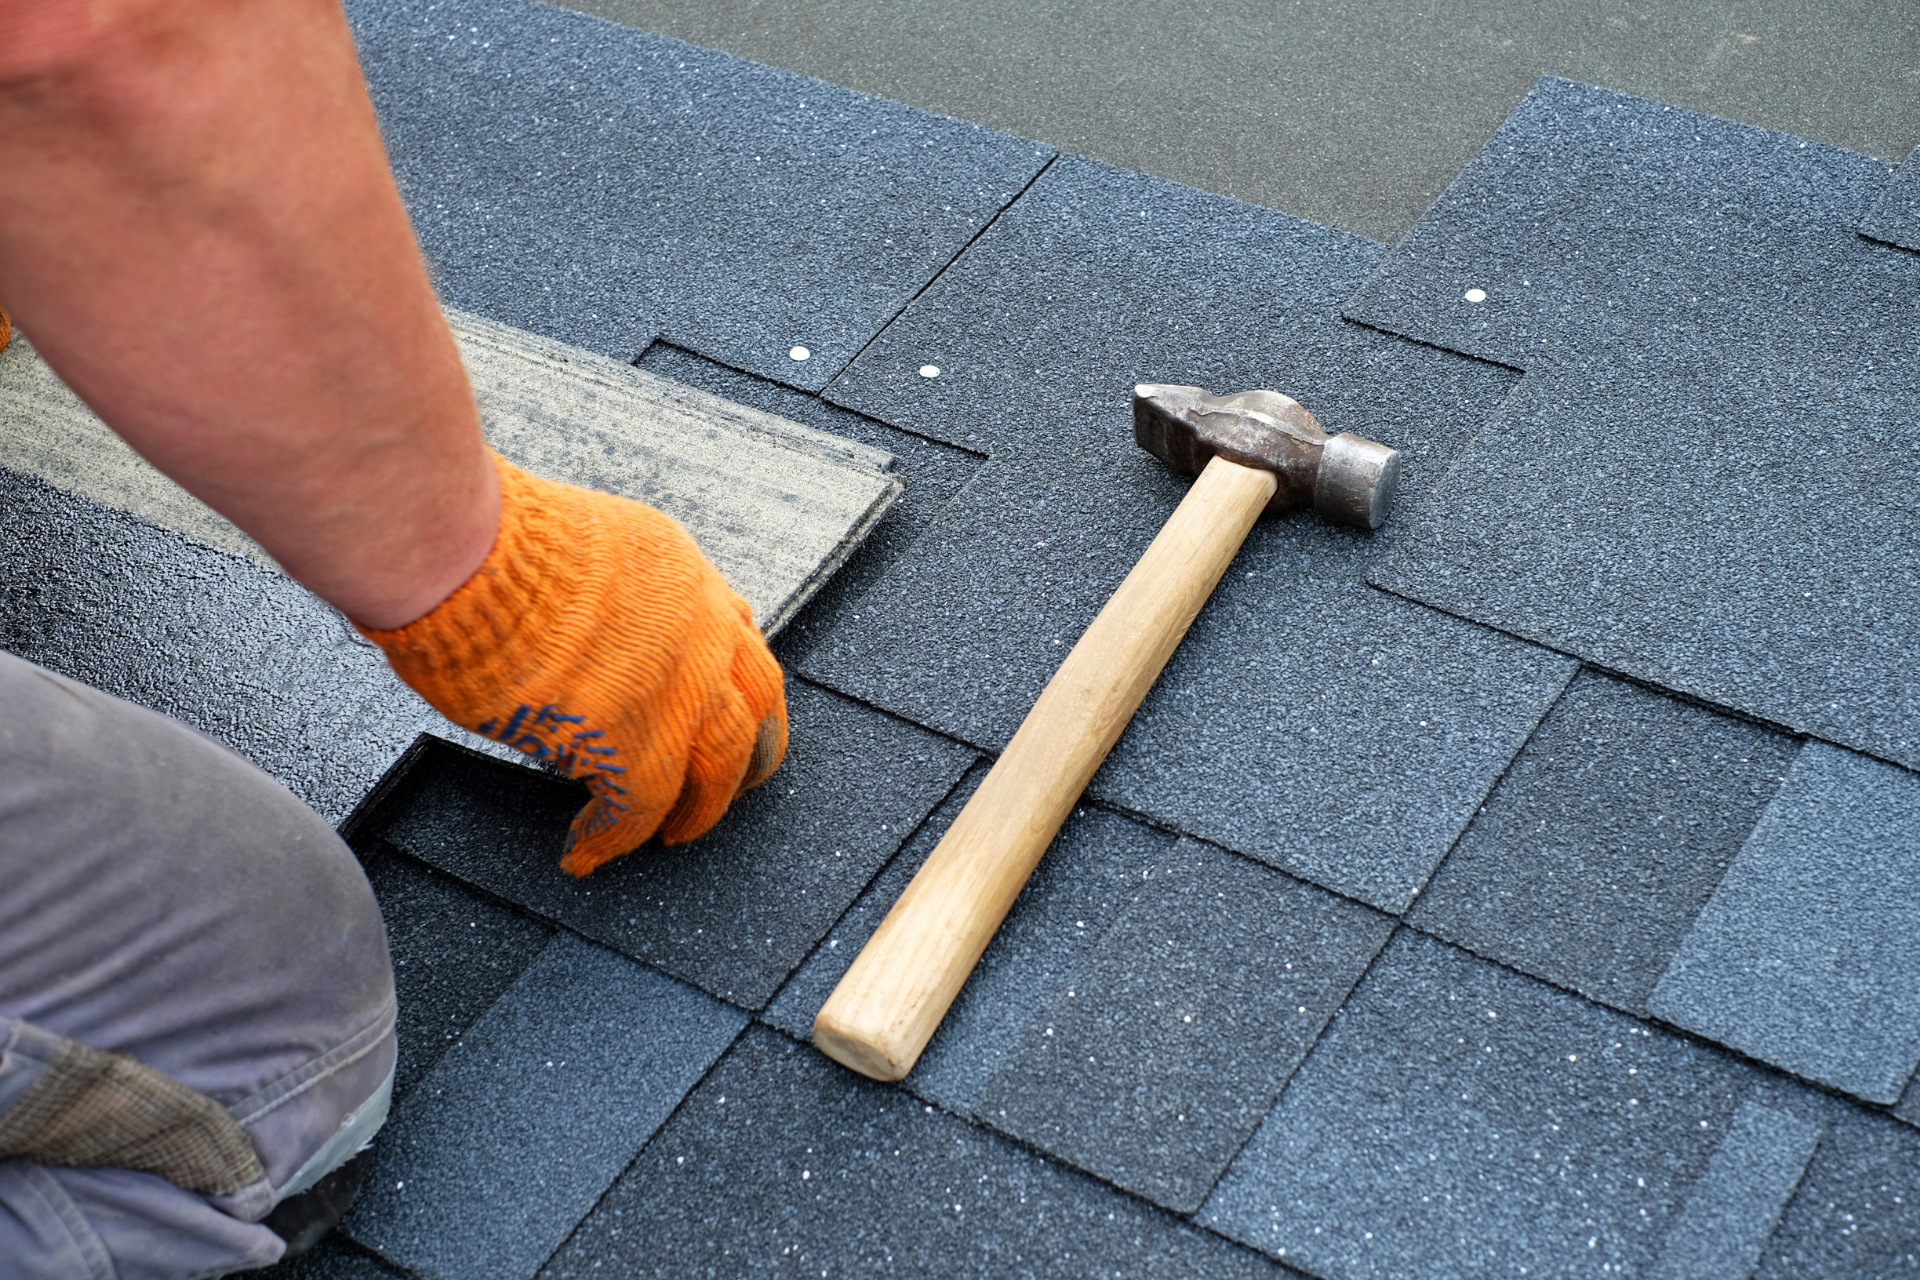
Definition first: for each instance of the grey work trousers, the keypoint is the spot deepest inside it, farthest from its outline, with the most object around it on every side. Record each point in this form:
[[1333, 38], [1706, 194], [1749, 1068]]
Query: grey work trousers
[[163, 898]]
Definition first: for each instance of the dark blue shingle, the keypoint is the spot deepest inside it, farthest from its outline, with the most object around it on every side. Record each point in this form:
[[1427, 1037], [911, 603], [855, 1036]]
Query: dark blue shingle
[[604, 186], [1804, 957], [514, 1136], [782, 1163], [1591, 858], [1156, 1058]]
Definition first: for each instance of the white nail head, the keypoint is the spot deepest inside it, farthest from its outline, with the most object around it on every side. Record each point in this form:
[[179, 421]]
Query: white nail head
[[799, 353], [1476, 295], [929, 370]]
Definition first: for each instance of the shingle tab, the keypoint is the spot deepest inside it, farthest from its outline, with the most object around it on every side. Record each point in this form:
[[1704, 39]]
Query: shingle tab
[[1703, 482], [602, 186], [1390, 721], [1735, 1205], [514, 1136], [1168, 1044], [1804, 957], [1857, 1213], [933, 472], [782, 1163], [1895, 216], [1461, 1119], [1091, 870], [1603, 841], [454, 953], [733, 912]]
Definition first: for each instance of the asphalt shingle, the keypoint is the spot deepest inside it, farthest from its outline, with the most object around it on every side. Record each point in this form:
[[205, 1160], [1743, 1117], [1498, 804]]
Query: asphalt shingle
[[454, 953], [733, 912], [604, 186], [1735, 1205], [1603, 841], [933, 472], [783, 1163], [1461, 1119], [1091, 870], [1173, 1037], [522, 1126], [1856, 1215], [236, 650], [1895, 216], [1703, 482], [1391, 721], [1804, 955]]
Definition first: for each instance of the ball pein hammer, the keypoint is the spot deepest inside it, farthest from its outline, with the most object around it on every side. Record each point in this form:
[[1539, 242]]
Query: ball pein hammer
[[1255, 452]]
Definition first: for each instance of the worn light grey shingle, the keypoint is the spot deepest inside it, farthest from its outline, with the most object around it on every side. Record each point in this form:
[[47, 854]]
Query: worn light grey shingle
[[1735, 1205]]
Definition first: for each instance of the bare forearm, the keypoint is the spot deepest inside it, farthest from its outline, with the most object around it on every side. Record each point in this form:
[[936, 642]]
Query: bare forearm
[[200, 233]]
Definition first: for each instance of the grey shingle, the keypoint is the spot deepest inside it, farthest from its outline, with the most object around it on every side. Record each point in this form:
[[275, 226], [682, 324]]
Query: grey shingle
[[1804, 956], [522, 1126], [1088, 874], [332, 1259], [1856, 1215], [1154, 1061], [1603, 841], [1735, 1205], [238, 651], [1392, 721], [1461, 1119], [1703, 482], [1895, 216], [933, 472], [454, 953], [782, 1163], [735, 911], [603, 186]]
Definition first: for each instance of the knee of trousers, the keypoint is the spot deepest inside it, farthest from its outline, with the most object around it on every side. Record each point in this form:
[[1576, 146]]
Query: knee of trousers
[[169, 902]]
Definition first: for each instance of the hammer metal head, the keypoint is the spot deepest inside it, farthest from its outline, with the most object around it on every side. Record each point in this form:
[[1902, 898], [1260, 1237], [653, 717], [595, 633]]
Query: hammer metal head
[[1345, 478]]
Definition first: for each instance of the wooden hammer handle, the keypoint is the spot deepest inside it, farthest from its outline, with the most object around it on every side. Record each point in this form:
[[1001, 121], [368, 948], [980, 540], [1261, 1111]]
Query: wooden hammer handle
[[889, 1003]]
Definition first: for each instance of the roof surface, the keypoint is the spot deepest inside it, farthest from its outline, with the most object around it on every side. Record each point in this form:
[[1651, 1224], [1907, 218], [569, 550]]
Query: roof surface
[[1526, 889]]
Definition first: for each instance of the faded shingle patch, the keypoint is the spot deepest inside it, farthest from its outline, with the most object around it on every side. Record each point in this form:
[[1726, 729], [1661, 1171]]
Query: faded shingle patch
[[733, 912], [1461, 1119], [782, 1163], [1605, 838], [1388, 722], [522, 1126], [602, 186], [1805, 955], [1168, 1044]]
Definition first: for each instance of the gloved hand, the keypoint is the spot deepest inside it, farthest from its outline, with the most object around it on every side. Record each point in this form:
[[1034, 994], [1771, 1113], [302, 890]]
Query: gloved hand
[[597, 638]]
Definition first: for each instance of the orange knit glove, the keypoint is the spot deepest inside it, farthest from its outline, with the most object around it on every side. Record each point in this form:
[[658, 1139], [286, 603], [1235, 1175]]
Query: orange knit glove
[[597, 638]]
